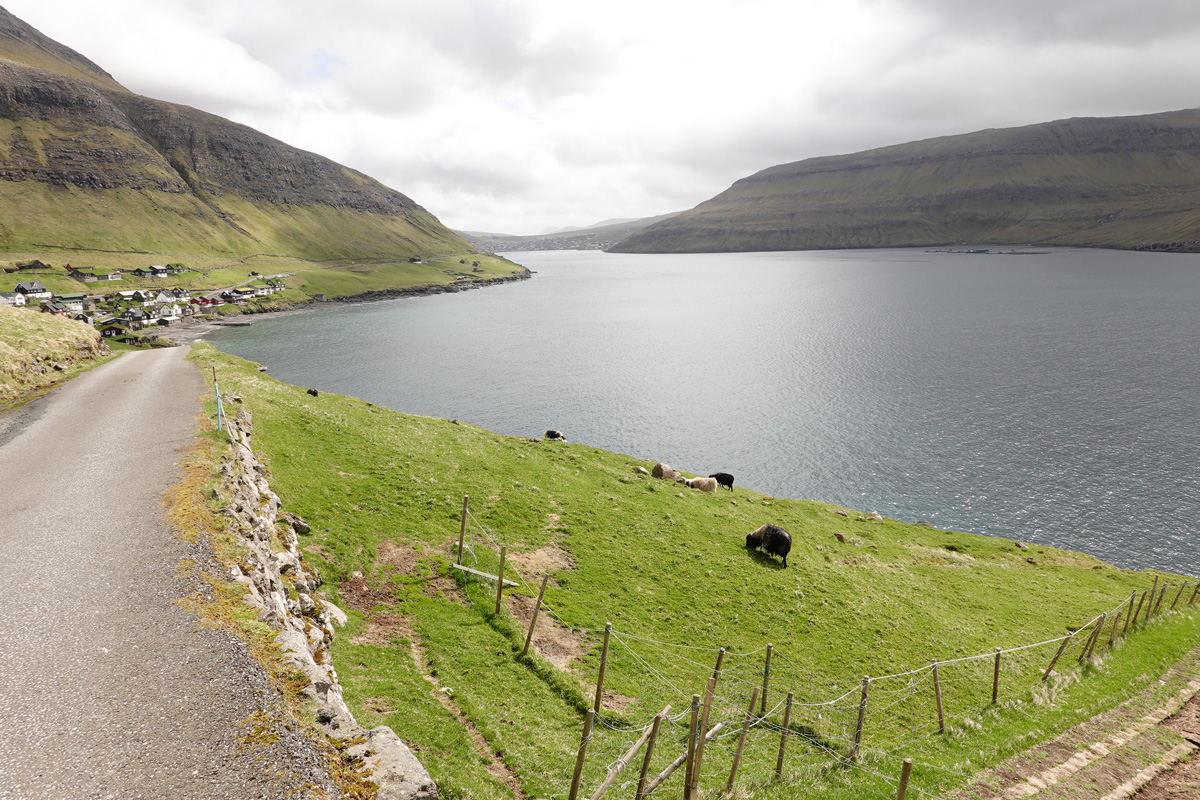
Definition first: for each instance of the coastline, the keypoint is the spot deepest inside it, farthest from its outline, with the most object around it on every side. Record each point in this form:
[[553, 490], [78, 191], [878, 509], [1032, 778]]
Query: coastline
[[189, 332]]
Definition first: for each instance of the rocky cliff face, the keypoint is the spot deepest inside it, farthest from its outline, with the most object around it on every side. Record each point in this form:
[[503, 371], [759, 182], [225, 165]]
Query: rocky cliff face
[[85, 150], [1117, 182]]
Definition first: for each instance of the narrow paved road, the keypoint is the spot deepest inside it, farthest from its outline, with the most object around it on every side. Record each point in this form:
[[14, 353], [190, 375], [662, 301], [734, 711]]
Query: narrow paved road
[[107, 688]]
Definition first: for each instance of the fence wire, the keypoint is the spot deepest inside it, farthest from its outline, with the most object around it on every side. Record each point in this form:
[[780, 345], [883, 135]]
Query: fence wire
[[823, 717]]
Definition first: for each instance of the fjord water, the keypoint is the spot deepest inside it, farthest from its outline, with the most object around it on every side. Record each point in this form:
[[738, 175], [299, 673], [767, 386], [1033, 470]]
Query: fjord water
[[1050, 397]]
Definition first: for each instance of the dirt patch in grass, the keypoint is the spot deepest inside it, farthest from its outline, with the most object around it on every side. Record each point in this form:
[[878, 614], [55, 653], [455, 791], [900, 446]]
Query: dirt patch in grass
[[546, 559], [560, 646]]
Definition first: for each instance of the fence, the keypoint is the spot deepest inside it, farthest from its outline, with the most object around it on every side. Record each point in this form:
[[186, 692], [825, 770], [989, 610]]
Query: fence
[[761, 717]]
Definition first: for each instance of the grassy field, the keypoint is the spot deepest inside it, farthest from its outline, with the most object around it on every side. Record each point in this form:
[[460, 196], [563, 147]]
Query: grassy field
[[426, 653], [32, 343]]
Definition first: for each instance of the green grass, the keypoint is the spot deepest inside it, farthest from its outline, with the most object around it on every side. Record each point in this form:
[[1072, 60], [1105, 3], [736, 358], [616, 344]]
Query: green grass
[[668, 568], [27, 336]]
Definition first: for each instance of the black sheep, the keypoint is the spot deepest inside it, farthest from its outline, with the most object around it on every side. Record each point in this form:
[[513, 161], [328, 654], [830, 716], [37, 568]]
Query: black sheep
[[773, 540], [723, 478]]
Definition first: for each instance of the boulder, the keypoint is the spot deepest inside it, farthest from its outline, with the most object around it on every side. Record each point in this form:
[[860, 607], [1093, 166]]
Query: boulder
[[395, 769], [665, 472]]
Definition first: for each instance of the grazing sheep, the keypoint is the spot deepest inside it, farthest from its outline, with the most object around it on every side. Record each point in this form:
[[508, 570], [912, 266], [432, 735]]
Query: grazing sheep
[[556, 436], [703, 484], [773, 540], [313, 392], [723, 478]]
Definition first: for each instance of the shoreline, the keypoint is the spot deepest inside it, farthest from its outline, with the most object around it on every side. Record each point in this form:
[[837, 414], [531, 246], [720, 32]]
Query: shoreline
[[189, 332]]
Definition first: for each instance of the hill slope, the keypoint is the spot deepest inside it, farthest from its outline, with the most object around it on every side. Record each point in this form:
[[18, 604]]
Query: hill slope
[[84, 163], [426, 652], [1124, 182]]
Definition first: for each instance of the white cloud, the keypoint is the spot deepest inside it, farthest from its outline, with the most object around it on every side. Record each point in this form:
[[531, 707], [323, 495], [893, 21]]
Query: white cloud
[[529, 115]]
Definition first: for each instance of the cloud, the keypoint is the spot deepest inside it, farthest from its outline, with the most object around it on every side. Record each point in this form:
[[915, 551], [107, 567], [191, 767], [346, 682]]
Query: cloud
[[528, 115], [1106, 21]]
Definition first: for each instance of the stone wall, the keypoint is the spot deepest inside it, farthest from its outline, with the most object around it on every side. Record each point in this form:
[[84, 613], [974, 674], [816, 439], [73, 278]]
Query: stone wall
[[287, 598]]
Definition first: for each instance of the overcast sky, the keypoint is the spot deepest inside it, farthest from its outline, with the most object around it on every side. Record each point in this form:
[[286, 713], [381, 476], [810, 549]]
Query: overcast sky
[[526, 116]]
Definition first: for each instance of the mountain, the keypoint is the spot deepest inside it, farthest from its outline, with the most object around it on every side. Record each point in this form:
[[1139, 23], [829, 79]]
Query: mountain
[[601, 236], [1122, 182], [87, 164]]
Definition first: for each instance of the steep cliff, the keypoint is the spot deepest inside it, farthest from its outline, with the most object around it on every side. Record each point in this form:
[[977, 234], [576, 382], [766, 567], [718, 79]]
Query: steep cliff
[[84, 163], [1123, 182]]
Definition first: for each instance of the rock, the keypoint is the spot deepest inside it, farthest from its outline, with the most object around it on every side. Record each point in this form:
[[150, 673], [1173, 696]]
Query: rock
[[641, 470], [874, 516], [840, 537], [923, 524], [839, 512], [394, 768], [665, 472], [336, 615], [1022, 545], [1031, 561], [298, 524]]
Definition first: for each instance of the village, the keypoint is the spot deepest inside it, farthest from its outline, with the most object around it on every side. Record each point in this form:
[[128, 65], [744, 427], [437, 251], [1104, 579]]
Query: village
[[122, 314]]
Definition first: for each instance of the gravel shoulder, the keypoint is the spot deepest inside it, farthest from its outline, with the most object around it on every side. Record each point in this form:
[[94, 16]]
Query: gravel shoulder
[[111, 688]]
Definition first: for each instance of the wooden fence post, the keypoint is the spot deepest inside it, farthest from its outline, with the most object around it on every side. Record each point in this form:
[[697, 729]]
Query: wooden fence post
[[862, 716], [1192, 599], [1161, 596], [693, 727], [1129, 616], [1091, 650], [603, 664], [537, 607], [1086, 650], [1138, 613], [1054, 661], [1113, 633], [678, 762], [1182, 586], [787, 721], [587, 734], [937, 693], [737, 754], [462, 528], [649, 752], [500, 580], [1150, 605], [720, 658], [996, 679], [905, 771], [623, 761], [766, 680], [709, 691]]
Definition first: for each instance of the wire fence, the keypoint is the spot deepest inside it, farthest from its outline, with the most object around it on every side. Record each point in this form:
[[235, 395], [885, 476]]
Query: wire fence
[[754, 718]]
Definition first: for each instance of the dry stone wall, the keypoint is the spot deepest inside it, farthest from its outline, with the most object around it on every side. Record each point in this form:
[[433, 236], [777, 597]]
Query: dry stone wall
[[287, 598]]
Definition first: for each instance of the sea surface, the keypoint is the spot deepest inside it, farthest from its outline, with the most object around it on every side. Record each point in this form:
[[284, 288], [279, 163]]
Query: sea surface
[[1051, 397]]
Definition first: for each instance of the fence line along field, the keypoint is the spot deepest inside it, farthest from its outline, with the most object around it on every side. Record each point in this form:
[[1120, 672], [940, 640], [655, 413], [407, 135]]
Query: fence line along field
[[850, 630]]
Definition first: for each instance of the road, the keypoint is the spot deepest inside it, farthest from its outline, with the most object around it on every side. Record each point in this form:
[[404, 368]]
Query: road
[[108, 689]]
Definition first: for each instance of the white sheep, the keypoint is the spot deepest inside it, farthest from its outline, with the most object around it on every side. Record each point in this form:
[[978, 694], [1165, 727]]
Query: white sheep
[[703, 484]]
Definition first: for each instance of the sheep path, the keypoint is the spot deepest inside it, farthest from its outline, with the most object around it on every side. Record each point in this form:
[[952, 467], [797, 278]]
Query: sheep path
[[111, 688]]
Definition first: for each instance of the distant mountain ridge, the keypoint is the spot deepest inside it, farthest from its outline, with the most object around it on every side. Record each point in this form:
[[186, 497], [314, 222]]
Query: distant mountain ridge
[[85, 163], [601, 236], [1121, 182]]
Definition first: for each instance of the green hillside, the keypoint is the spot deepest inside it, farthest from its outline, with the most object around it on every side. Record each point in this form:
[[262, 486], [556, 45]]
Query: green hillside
[[1126, 182], [87, 165], [668, 567]]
